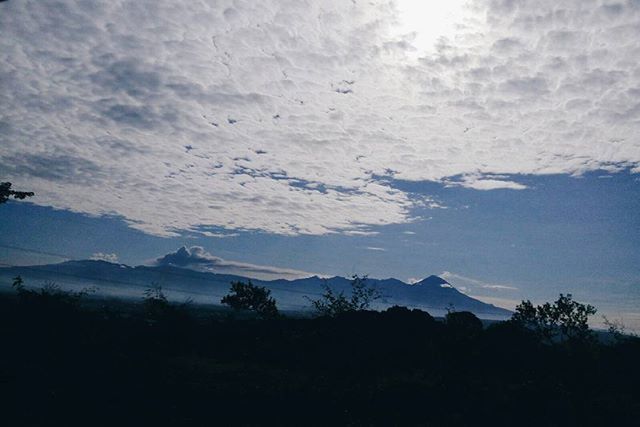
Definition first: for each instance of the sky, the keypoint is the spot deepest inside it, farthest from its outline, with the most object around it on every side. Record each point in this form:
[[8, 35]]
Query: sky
[[495, 143]]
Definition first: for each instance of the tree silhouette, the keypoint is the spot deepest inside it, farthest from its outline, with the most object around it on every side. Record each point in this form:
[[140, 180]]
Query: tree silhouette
[[464, 322], [565, 319], [247, 296], [332, 304], [6, 193]]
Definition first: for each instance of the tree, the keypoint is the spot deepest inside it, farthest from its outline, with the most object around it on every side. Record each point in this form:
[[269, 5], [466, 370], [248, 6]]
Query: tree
[[563, 320], [464, 322], [332, 304], [6, 192], [247, 296]]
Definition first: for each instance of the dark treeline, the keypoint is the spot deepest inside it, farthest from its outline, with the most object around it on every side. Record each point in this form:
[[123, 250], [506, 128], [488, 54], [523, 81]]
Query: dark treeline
[[162, 364]]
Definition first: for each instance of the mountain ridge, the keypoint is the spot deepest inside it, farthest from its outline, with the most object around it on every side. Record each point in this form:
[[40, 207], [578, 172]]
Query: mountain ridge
[[432, 293]]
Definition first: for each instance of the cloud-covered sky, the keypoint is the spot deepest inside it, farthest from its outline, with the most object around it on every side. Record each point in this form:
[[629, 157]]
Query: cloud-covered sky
[[392, 138], [294, 117]]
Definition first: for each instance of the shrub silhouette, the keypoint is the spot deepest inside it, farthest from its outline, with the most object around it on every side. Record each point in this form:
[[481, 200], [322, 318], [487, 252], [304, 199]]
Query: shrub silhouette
[[247, 296], [49, 296], [155, 303], [158, 309]]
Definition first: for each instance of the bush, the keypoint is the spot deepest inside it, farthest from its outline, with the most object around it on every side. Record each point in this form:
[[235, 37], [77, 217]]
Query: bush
[[155, 303]]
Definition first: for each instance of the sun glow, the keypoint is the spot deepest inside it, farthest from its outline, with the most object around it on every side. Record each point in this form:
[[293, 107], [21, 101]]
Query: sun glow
[[429, 20]]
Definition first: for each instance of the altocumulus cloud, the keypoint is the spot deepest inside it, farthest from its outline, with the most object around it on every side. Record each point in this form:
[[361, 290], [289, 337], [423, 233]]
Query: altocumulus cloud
[[197, 258], [292, 110]]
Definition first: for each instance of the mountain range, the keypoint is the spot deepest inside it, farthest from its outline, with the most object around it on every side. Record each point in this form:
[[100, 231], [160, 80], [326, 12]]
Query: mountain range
[[433, 294]]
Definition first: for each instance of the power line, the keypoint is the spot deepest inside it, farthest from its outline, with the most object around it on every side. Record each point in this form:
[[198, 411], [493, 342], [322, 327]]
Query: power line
[[93, 279], [212, 294], [171, 273], [35, 251]]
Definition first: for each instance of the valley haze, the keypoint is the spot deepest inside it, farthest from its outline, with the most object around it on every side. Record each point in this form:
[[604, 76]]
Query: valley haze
[[176, 274]]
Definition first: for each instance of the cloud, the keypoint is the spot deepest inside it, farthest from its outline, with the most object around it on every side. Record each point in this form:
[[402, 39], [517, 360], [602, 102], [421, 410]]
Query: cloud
[[99, 256], [218, 235], [481, 183], [293, 110], [361, 233], [374, 248], [509, 304], [468, 284], [197, 258]]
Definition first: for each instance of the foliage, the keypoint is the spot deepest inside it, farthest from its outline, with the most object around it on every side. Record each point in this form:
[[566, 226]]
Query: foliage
[[563, 320], [154, 302], [157, 307], [6, 192], [617, 330], [332, 304], [415, 315], [49, 295], [18, 285], [247, 296], [395, 367], [463, 322]]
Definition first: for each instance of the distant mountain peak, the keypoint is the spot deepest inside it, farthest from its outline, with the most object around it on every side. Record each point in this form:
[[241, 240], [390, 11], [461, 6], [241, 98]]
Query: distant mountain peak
[[433, 280], [184, 251]]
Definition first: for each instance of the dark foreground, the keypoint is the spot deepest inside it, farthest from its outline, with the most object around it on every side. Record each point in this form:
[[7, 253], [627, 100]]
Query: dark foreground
[[62, 364]]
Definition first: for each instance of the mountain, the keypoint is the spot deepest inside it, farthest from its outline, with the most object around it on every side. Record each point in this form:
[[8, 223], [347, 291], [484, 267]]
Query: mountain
[[433, 293]]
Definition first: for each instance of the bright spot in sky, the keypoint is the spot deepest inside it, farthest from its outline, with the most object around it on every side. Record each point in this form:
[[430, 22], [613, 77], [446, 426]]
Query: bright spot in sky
[[429, 20]]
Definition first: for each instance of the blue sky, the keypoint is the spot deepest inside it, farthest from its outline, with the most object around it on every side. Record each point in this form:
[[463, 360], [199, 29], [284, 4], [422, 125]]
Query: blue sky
[[493, 142]]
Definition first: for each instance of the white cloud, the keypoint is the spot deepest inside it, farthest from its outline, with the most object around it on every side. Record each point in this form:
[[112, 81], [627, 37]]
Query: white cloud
[[218, 235], [361, 233], [278, 116], [469, 284], [197, 258], [375, 248], [487, 184], [509, 304], [99, 256]]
